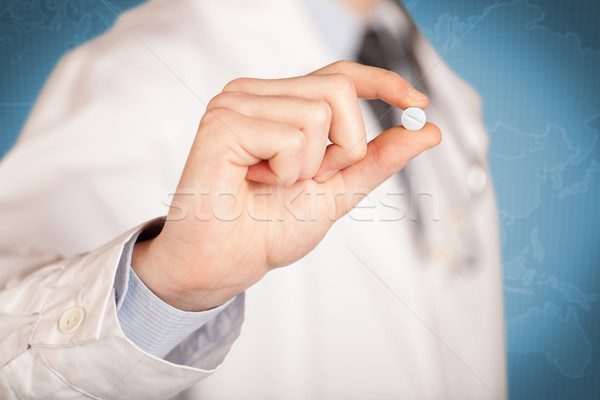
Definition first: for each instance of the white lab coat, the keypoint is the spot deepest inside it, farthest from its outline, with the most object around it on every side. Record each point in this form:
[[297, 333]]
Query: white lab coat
[[101, 152]]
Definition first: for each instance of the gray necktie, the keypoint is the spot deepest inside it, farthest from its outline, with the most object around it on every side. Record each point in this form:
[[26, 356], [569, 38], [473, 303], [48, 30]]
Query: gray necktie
[[381, 49]]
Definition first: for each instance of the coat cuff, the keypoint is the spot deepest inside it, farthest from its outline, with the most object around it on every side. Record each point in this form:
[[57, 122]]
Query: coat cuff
[[97, 358]]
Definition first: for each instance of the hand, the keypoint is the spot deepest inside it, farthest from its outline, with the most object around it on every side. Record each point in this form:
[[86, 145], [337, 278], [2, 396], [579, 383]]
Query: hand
[[261, 186]]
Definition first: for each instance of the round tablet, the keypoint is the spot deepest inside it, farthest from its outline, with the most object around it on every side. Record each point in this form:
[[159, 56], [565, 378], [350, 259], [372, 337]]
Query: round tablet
[[413, 118]]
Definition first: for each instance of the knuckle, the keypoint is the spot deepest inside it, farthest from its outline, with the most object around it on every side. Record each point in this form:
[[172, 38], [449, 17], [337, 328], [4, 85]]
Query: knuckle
[[342, 64], [224, 100], [391, 76], [287, 179], [310, 169], [296, 140], [321, 112], [213, 103], [213, 118], [237, 85], [343, 84], [358, 152]]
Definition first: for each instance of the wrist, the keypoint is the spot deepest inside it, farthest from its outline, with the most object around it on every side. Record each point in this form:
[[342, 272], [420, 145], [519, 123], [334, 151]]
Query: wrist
[[176, 282]]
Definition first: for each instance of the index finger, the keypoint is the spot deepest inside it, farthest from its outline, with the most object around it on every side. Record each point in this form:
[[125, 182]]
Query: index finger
[[377, 83], [369, 83]]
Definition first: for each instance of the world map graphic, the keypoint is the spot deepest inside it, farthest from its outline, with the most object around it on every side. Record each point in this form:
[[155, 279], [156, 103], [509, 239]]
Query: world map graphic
[[535, 64]]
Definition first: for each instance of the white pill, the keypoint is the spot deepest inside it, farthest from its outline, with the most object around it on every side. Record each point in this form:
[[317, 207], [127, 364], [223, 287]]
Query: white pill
[[413, 118]]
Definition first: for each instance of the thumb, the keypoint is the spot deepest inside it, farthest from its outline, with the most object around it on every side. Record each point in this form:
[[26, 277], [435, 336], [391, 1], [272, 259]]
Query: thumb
[[387, 154]]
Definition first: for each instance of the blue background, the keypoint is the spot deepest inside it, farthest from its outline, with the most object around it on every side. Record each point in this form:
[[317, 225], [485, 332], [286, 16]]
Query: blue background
[[535, 63]]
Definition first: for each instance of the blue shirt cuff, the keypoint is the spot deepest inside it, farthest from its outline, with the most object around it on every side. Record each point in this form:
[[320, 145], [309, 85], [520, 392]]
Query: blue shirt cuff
[[153, 325]]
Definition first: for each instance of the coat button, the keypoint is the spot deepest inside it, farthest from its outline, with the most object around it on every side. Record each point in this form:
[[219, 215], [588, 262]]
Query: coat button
[[71, 320], [476, 178], [444, 256]]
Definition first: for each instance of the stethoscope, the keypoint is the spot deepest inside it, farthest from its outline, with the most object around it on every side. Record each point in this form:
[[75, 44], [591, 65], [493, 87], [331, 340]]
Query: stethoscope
[[462, 238]]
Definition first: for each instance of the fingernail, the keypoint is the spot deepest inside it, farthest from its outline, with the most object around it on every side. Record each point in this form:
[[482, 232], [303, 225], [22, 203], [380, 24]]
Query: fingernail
[[418, 96], [421, 98], [325, 175]]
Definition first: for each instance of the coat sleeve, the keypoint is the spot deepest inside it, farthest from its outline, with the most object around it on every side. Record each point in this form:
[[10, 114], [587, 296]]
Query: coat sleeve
[[60, 337]]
